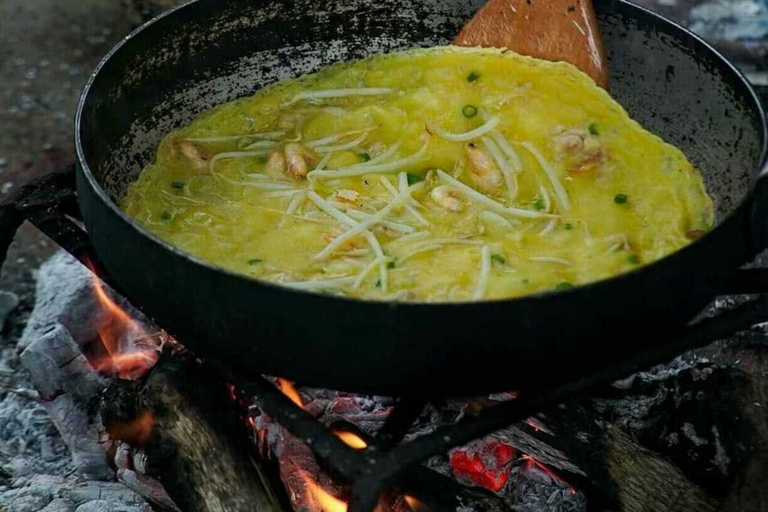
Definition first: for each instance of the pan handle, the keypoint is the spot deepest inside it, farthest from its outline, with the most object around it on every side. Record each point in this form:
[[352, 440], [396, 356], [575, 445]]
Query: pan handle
[[50, 203]]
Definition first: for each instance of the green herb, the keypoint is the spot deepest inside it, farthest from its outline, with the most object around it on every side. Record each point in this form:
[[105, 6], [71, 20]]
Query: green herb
[[525, 281], [474, 76], [633, 259], [593, 129], [538, 203], [378, 283], [565, 285], [497, 258], [621, 199], [166, 216], [568, 226], [178, 185], [262, 159], [365, 157], [391, 264], [414, 178], [469, 111], [254, 261]]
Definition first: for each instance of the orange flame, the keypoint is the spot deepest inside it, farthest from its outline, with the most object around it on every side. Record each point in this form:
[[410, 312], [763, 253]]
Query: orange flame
[[290, 391], [414, 504], [121, 327], [327, 501], [351, 439], [135, 432]]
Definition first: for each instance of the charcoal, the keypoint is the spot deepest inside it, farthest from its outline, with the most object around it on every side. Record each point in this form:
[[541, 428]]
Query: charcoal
[[67, 383], [65, 296], [8, 302], [59, 505]]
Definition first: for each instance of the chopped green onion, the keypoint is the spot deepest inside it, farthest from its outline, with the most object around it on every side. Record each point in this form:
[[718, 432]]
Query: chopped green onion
[[593, 129], [568, 226], [166, 216], [497, 258], [178, 185], [262, 159], [391, 264], [378, 283], [633, 259], [525, 281], [364, 157], [414, 178], [538, 203], [621, 199], [254, 261], [474, 76], [565, 285], [469, 111]]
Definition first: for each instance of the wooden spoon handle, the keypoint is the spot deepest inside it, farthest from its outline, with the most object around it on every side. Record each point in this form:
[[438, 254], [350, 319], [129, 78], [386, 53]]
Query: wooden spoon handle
[[555, 30]]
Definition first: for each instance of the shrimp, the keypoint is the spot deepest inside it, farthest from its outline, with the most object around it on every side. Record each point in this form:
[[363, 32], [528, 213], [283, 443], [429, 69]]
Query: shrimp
[[298, 159], [448, 198], [483, 169], [194, 154]]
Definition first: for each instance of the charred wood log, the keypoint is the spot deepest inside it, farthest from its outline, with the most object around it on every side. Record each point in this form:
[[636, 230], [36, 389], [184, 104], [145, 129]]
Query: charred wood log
[[194, 435], [658, 443], [68, 387]]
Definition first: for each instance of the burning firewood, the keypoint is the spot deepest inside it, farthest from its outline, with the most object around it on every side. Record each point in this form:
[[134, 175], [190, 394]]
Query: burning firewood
[[197, 444]]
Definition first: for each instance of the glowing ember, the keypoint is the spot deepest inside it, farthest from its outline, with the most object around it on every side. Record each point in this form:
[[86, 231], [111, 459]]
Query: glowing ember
[[351, 439], [290, 391], [125, 362], [326, 501], [487, 466], [135, 432]]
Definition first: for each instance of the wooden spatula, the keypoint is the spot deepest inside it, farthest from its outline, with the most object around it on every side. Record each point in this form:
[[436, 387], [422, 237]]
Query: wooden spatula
[[556, 30]]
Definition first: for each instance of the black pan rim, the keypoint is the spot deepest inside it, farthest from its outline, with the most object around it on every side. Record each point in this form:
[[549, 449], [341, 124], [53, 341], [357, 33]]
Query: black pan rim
[[759, 173]]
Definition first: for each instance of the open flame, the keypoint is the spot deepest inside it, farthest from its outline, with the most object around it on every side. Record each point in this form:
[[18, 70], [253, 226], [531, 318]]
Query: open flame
[[414, 504], [126, 362], [326, 501], [290, 391], [351, 439]]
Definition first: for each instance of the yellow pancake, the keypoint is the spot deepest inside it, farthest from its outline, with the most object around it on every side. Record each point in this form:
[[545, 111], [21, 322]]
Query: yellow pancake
[[445, 174]]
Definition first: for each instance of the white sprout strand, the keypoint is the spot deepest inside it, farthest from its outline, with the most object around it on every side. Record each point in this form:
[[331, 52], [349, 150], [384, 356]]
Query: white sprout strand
[[560, 192], [402, 186], [364, 274], [233, 154], [337, 136], [323, 162], [431, 245], [551, 259], [410, 238], [285, 193], [363, 226], [404, 190], [472, 134], [510, 176], [395, 226], [342, 147], [227, 138], [547, 208], [405, 257], [379, 158], [182, 198], [360, 170], [259, 184], [508, 150], [296, 202], [339, 93], [327, 284], [545, 197], [344, 219], [260, 144], [495, 218], [485, 272], [487, 201]]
